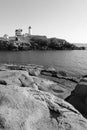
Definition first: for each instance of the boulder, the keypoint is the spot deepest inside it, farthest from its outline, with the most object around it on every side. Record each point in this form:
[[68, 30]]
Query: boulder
[[78, 97], [51, 69], [34, 72], [10, 77], [27, 81]]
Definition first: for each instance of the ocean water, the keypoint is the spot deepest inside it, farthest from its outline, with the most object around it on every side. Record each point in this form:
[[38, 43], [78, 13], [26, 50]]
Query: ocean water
[[75, 60]]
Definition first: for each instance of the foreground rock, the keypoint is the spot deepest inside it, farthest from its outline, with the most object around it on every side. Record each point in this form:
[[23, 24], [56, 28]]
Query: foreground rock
[[60, 83], [25, 105], [78, 97]]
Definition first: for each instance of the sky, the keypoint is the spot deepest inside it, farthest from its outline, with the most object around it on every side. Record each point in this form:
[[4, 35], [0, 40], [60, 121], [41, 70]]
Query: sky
[[66, 19]]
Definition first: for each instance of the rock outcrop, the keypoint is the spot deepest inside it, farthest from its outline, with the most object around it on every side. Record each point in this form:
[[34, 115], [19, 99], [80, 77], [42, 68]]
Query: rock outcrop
[[59, 83], [36, 42], [26, 104], [78, 97]]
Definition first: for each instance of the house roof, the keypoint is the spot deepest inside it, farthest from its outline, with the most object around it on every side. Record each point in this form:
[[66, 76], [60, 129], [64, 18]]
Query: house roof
[[12, 38], [23, 39]]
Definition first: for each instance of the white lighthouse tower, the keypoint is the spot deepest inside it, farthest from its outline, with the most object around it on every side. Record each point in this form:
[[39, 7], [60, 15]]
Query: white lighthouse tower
[[30, 30]]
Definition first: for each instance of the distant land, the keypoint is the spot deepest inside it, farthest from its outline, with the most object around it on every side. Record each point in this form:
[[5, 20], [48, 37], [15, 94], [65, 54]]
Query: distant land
[[26, 41], [81, 44]]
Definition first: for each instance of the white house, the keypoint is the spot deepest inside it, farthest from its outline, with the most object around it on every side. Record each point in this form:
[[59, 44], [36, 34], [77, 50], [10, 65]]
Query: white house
[[18, 32]]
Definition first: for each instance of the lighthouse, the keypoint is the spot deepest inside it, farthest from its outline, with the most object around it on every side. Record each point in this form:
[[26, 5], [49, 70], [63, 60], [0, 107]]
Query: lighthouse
[[29, 29]]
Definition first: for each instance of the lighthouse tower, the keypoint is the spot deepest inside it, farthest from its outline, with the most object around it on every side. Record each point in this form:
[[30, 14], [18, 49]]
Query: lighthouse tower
[[30, 29]]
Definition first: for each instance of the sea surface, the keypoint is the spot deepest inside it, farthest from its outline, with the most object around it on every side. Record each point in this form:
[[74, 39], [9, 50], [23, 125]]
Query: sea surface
[[75, 60]]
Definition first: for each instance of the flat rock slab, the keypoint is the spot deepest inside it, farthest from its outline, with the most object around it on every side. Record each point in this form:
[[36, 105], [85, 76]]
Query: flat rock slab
[[17, 77], [26, 104], [51, 87], [28, 109]]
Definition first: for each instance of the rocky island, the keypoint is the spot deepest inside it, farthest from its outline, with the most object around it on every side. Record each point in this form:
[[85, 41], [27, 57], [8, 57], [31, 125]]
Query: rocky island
[[32, 98], [34, 42]]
